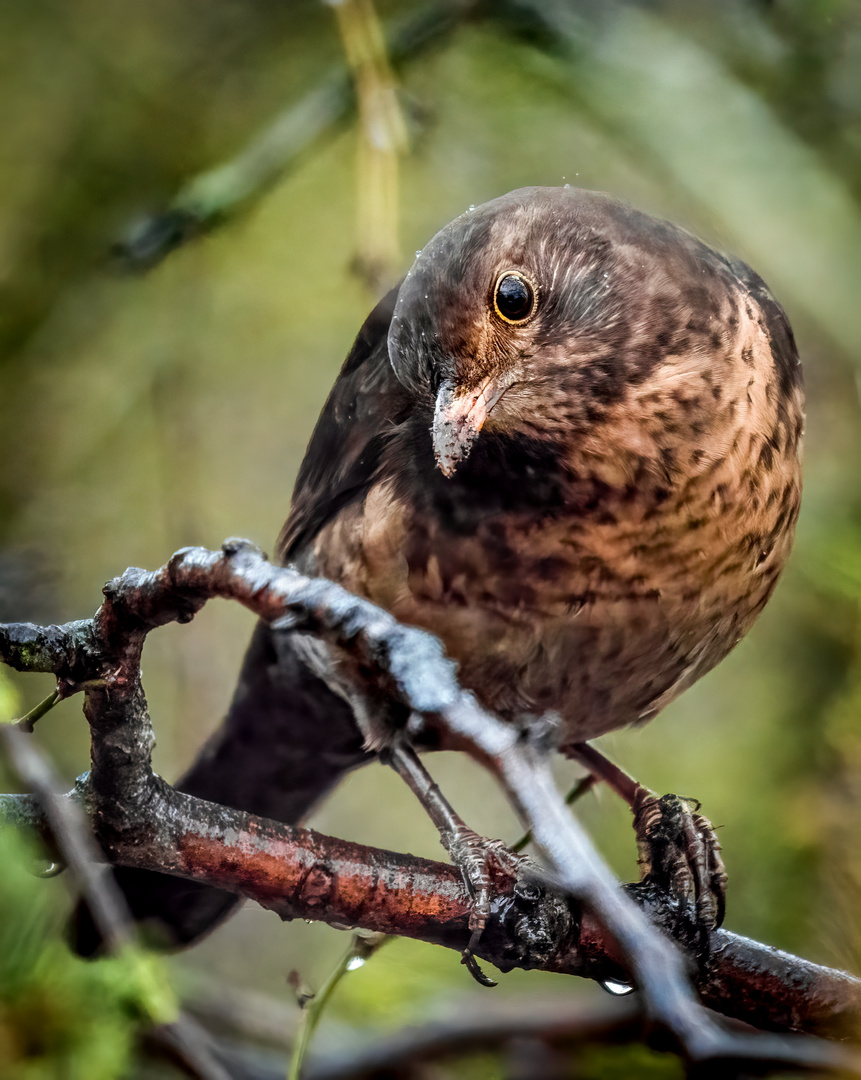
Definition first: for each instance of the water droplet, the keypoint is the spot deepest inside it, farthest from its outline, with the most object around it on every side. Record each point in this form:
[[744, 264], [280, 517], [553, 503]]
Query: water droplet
[[308, 922], [50, 870], [567, 187], [356, 963], [418, 252], [616, 988], [472, 206]]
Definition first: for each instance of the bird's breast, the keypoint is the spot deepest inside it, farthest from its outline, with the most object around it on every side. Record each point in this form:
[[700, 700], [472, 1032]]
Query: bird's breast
[[602, 610]]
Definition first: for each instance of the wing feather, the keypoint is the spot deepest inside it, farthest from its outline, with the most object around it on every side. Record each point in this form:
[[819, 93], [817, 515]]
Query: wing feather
[[360, 416]]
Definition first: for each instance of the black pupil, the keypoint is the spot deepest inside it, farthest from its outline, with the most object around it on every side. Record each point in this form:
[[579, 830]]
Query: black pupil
[[513, 297]]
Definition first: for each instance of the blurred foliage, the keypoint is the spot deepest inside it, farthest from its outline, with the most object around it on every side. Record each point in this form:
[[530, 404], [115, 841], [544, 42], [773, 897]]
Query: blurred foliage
[[60, 1017], [142, 413]]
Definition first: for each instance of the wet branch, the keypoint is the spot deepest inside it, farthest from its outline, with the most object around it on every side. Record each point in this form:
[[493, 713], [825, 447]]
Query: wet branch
[[572, 919]]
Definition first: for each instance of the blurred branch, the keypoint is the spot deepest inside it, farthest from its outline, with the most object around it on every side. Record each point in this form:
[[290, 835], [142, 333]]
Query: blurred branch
[[624, 68], [478, 1028], [382, 139], [216, 196], [628, 69], [189, 1047], [139, 820], [469, 1026], [68, 826]]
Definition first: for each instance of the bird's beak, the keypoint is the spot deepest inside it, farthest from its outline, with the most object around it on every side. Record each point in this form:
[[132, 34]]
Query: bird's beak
[[458, 418]]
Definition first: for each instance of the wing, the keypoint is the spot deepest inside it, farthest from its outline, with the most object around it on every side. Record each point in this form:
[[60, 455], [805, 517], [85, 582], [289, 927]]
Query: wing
[[360, 416]]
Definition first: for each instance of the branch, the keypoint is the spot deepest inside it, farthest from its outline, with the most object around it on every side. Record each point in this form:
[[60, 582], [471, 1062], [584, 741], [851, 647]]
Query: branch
[[475, 1029], [141, 821], [469, 1026], [218, 195], [65, 820], [299, 873]]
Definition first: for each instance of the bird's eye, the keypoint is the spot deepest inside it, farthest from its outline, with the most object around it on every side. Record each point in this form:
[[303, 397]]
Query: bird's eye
[[514, 297]]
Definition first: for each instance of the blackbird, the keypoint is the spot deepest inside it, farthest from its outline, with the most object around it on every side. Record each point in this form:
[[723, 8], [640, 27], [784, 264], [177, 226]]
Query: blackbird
[[569, 445]]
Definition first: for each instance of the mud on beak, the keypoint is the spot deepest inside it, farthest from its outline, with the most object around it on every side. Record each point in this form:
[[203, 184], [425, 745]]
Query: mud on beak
[[458, 417]]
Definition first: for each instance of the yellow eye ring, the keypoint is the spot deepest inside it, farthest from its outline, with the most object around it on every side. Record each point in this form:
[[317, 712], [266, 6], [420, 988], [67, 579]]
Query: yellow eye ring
[[515, 297]]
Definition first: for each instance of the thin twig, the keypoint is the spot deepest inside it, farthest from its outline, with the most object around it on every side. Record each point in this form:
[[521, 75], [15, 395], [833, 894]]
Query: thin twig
[[360, 949], [28, 721], [382, 139]]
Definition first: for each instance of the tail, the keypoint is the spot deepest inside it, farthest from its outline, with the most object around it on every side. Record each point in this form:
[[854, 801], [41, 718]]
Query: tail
[[286, 742]]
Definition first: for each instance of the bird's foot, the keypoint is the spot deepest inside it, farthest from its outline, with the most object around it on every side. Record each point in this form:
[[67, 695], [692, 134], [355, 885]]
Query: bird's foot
[[477, 857], [679, 856]]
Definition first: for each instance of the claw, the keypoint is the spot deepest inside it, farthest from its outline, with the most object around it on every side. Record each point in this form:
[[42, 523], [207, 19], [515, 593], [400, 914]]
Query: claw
[[467, 958], [475, 855], [680, 853]]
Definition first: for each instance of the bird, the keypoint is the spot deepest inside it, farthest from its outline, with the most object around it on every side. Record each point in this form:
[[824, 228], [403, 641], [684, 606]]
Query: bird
[[568, 444]]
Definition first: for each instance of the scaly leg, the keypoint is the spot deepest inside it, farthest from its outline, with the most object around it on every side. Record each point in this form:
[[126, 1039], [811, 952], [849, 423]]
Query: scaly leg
[[474, 855]]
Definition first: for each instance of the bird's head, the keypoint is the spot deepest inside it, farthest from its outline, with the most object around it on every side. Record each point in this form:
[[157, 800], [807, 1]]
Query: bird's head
[[538, 314]]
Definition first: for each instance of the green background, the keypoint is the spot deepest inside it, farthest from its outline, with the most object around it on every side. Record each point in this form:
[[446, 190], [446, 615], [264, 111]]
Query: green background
[[140, 413]]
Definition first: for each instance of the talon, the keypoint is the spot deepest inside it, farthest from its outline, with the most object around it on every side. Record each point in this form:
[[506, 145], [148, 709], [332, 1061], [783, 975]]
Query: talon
[[477, 923], [471, 853], [467, 958], [716, 871]]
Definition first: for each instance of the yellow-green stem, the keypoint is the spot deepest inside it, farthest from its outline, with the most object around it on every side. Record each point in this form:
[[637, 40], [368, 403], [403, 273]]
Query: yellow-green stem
[[361, 948]]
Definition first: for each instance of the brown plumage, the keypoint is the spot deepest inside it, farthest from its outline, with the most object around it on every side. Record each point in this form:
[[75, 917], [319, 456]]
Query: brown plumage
[[569, 445], [590, 501]]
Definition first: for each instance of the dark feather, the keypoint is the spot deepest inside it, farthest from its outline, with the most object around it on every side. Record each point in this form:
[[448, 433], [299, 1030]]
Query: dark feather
[[359, 418]]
